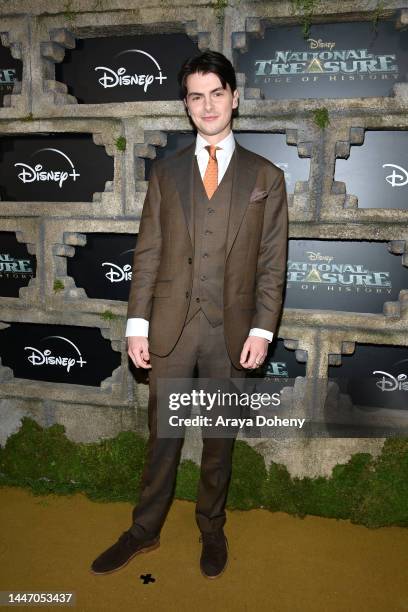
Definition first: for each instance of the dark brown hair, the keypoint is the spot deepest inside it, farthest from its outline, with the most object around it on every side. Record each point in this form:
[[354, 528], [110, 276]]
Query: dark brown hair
[[208, 61]]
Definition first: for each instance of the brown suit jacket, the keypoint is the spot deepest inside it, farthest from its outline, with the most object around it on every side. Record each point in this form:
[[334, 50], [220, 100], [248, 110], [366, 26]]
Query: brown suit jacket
[[256, 252]]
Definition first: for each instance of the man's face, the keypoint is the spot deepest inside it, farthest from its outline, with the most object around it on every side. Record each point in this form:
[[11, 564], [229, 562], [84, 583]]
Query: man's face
[[209, 105]]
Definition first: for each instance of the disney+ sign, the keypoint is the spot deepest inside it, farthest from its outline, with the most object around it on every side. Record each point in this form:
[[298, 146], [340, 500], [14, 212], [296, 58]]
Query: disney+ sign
[[103, 267], [385, 365], [376, 172], [58, 353], [52, 168], [125, 68]]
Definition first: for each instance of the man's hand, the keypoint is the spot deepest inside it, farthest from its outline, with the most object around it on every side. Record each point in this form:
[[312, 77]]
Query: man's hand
[[138, 351], [254, 352]]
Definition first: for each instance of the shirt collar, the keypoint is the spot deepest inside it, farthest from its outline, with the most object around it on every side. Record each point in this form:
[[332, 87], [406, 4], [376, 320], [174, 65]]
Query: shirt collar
[[227, 143]]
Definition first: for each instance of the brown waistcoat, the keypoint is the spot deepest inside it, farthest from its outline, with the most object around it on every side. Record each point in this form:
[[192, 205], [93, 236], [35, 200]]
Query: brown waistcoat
[[210, 237]]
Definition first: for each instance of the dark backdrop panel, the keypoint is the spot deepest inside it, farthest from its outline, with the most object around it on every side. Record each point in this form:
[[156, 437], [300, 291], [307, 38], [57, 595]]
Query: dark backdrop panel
[[371, 376], [377, 171], [17, 266], [103, 267], [125, 68], [352, 276], [10, 71], [337, 60], [58, 353], [52, 168]]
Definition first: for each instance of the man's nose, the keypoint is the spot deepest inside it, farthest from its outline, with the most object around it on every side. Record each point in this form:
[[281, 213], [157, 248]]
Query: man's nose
[[208, 104]]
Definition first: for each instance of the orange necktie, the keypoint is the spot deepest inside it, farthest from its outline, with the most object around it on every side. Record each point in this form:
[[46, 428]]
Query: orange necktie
[[210, 179]]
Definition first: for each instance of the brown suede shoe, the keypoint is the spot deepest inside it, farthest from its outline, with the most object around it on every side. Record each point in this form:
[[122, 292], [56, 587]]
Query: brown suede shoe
[[214, 554], [120, 553]]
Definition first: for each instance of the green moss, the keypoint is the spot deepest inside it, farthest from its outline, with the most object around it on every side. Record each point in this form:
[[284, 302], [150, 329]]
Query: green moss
[[219, 8], [47, 462], [187, 480], [29, 117], [386, 498], [69, 14], [378, 14], [58, 285], [368, 491], [112, 468], [120, 143], [337, 496], [248, 478], [36, 457], [108, 315], [279, 492], [307, 9], [321, 117]]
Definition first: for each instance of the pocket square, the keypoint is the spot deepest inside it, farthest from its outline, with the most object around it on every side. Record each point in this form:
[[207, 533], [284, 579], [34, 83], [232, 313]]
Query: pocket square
[[258, 195]]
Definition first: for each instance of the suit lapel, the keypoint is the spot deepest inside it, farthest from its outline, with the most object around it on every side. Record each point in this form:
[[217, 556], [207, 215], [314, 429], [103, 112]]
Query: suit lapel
[[183, 175], [242, 186]]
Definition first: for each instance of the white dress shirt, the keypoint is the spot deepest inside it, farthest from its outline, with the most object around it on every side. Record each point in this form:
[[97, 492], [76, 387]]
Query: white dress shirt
[[140, 327]]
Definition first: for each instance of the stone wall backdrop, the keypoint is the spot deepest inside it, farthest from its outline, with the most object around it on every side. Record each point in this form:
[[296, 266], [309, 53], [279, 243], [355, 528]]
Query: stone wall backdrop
[[50, 303]]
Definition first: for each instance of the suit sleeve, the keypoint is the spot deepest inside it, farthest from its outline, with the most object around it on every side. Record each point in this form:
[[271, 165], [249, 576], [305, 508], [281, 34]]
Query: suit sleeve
[[272, 258], [146, 258]]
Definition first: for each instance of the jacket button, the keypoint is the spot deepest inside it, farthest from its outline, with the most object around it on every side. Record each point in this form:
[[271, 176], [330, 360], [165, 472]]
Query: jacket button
[[190, 260], [197, 299], [187, 294]]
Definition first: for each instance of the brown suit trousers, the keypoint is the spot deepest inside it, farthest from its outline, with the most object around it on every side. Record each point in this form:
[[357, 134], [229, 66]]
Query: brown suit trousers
[[203, 346]]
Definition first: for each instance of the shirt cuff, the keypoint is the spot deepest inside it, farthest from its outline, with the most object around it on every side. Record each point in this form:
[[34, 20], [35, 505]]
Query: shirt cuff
[[137, 327], [140, 327], [262, 333]]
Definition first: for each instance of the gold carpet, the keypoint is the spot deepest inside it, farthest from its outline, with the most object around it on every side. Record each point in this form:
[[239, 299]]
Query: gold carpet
[[277, 562]]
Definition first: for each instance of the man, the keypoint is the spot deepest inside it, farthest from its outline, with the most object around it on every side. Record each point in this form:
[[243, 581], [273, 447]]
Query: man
[[208, 275]]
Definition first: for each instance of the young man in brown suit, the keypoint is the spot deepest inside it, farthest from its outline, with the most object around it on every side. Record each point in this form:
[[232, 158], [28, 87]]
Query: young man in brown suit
[[208, 275]]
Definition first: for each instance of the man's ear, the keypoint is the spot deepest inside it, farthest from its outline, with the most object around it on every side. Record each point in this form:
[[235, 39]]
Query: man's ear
[[185, 105], [235, 100]]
